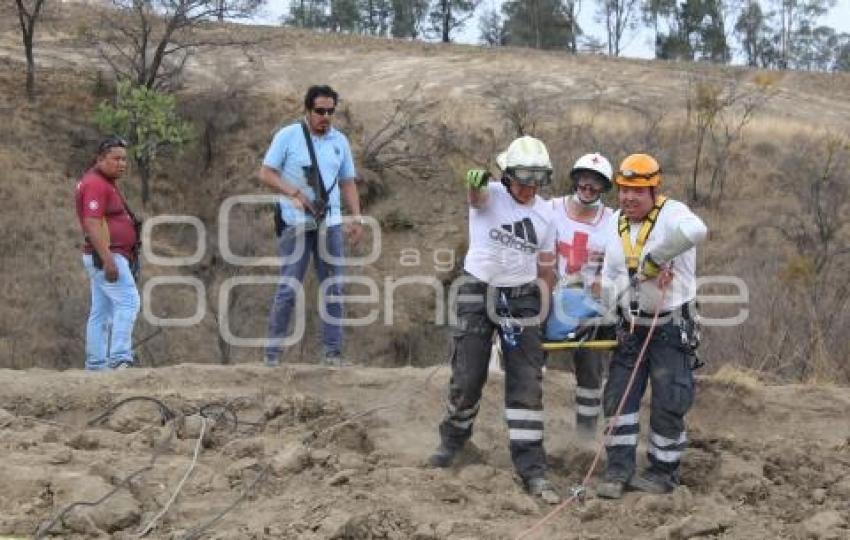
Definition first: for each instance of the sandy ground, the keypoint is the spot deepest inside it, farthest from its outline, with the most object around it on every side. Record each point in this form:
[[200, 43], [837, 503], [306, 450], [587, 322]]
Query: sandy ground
[[340, 454]]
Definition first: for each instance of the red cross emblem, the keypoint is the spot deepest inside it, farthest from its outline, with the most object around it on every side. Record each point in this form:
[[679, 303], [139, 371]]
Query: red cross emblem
[[575, 254]]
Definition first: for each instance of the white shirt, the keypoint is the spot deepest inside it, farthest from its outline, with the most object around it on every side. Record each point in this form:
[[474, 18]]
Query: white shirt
[[682, 289], [575, 239], [505, 238]]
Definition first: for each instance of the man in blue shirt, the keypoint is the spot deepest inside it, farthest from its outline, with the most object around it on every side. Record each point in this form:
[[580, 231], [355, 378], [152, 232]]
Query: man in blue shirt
[[286, 170]]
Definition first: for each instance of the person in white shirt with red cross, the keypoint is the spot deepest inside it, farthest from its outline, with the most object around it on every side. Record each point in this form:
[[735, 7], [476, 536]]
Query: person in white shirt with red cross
[[582, 232]]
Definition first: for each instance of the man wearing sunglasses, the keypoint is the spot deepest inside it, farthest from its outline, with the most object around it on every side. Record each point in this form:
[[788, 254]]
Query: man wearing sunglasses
[[651, 269], [314, 176], [508, 270], [583, 226], [108, 254]]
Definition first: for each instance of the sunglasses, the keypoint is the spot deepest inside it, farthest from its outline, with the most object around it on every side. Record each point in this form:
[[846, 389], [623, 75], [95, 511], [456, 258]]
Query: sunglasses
[[110, 143], [322, 111], [590, 188], [629, 174], [531, 176]]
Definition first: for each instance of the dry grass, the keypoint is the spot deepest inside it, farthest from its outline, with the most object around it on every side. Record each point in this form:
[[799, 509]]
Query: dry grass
[[735, 378]]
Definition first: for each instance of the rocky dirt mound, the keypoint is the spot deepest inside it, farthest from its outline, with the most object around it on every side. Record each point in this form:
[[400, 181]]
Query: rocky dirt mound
[[307, 452]]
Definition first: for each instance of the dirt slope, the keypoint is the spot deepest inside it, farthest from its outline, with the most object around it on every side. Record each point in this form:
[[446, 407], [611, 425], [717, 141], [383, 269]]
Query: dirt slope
[[765, 462]]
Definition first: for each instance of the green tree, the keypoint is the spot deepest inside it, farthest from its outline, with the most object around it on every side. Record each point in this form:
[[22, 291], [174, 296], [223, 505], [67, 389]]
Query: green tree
[[540, 24], [571, 10], [492, 31], [653, 12], [752, 29], [376, 16], [408, 17], [344, 16], [449, 15], [711, 31], [149, 121], [308, 14], [794, 19], [697, 32], [842, 54]]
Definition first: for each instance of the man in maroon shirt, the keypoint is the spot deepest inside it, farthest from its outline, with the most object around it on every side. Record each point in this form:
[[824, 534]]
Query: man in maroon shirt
[[108, 255]]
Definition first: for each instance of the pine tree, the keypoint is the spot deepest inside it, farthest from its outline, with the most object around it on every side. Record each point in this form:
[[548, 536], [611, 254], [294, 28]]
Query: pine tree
[[540, 24]]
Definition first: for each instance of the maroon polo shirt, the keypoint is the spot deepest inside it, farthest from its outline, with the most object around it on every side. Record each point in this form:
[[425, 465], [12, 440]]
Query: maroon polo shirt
[[98, 197]]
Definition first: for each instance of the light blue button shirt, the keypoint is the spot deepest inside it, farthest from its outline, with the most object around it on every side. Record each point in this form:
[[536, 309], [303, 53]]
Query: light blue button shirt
[[288, 154]]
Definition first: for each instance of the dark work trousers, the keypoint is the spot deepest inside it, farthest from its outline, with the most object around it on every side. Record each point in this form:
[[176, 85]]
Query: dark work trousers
[[667, 367], [470, 358], [588, 365]]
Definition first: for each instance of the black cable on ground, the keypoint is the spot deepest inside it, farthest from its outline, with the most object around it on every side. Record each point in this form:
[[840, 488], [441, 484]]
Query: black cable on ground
[[206, 411], [165, 413], [196, 532], [41, 532]]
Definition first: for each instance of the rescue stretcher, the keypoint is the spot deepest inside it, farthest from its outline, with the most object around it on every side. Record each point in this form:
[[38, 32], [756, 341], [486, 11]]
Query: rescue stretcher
[[575, 323]]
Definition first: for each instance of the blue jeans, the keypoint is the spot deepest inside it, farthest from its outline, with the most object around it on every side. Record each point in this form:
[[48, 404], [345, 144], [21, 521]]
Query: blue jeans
[[295, 266], [116, 303]]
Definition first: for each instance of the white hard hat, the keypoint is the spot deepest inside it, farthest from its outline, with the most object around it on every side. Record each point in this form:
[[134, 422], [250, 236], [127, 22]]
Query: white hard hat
[[597, 163], [525, 152]]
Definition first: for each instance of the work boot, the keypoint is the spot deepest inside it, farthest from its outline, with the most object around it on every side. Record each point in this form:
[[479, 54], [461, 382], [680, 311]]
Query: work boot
[[334, 360], [119, 364], [653, 481], [610, 487], [443, 456], [540, 487]]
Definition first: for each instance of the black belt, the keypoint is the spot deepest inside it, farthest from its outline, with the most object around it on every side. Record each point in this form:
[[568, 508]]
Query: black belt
[[519, 291], [684, 310]]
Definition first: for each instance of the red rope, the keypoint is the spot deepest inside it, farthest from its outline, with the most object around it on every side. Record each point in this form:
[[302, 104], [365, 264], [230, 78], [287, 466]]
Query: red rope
[[608, 429]]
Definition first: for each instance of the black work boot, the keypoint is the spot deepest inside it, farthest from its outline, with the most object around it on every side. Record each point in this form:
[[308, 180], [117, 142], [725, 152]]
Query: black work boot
[[653, 481], [610, 487], [443, 456], [540, 487]]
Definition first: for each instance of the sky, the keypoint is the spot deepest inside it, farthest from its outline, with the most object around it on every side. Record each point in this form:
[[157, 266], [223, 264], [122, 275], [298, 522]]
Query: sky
[[636, 44]]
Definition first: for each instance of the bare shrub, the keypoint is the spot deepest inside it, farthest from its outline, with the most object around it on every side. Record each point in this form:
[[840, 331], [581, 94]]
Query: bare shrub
[[799, 293], [720, 111]]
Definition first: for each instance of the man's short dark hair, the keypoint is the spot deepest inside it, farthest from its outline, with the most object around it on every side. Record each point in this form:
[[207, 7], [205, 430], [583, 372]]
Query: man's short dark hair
[[319, 91], [109, 143]]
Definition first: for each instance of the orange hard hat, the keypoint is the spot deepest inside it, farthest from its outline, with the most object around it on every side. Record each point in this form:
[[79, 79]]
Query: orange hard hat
[[639, 170]]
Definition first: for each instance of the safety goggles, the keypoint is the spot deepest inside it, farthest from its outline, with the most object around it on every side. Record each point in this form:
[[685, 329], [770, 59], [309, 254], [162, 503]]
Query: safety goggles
[[531, 176], [110, 143], [629, 174], [322, 111]]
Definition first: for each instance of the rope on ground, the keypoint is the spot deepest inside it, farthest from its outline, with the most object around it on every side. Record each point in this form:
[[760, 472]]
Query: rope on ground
[[158, 450], [196, 532], [147, 528], [608, 429]]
